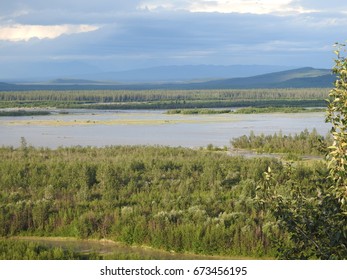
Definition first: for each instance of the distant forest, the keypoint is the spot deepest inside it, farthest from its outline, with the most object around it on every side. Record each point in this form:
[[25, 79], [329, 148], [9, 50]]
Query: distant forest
[[303, 143], [165, 99]]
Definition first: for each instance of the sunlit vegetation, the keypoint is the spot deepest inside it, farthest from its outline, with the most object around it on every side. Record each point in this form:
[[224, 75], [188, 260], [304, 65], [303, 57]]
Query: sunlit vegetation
[[165, 99], [21, 250], [20, 113], [197, 111], [168, 198], [266, 110], [303, 143], [76, 248], [247, 110], [17, 249], [315, 216]]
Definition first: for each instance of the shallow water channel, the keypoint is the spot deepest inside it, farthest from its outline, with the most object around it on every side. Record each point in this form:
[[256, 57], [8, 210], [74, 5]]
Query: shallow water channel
[[151, 127]]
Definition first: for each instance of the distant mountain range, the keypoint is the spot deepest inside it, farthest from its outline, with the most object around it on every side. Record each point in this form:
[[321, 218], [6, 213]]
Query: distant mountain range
[[295, 78], [183, 73], [50, 71]]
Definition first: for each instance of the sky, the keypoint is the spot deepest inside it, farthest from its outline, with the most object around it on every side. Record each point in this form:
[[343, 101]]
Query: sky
[[115, 35]]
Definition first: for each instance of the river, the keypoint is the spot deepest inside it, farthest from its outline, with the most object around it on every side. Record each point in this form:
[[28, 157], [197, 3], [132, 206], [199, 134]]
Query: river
[[153, 127]]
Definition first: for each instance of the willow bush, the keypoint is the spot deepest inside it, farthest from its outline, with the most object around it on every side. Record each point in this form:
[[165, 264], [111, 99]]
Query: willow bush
[[314, 215]]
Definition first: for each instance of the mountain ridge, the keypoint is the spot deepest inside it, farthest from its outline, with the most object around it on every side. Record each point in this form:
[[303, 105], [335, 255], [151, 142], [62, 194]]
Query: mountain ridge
[[184, 73], [301, 77], [297, 78]]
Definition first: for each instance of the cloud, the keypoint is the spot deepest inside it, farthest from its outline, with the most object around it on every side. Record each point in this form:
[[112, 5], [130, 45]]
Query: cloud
[[228, 6], [68, 5], [192, 33], [26, 32], [246, 6], [143, 33], [146, 39]]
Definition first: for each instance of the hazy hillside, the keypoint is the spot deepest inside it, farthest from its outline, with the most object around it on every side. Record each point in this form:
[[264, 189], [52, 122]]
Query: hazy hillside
[[302, 77], [43, 71], [74, 81], [7, 86], [297, 78], [184, 73]]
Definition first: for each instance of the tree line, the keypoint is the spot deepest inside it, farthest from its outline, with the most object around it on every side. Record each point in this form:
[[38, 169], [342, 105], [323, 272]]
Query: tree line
[[303, 143], [163, 99]]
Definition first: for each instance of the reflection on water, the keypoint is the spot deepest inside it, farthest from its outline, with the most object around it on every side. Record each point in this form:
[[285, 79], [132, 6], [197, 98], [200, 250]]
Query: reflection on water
[[136, 127]]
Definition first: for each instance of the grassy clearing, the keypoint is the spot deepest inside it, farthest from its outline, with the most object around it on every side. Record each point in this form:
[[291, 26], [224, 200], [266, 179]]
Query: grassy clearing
[[125, 118], [109, 249], [265, 110], [197, 111], [247, 110], [21, 113]]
